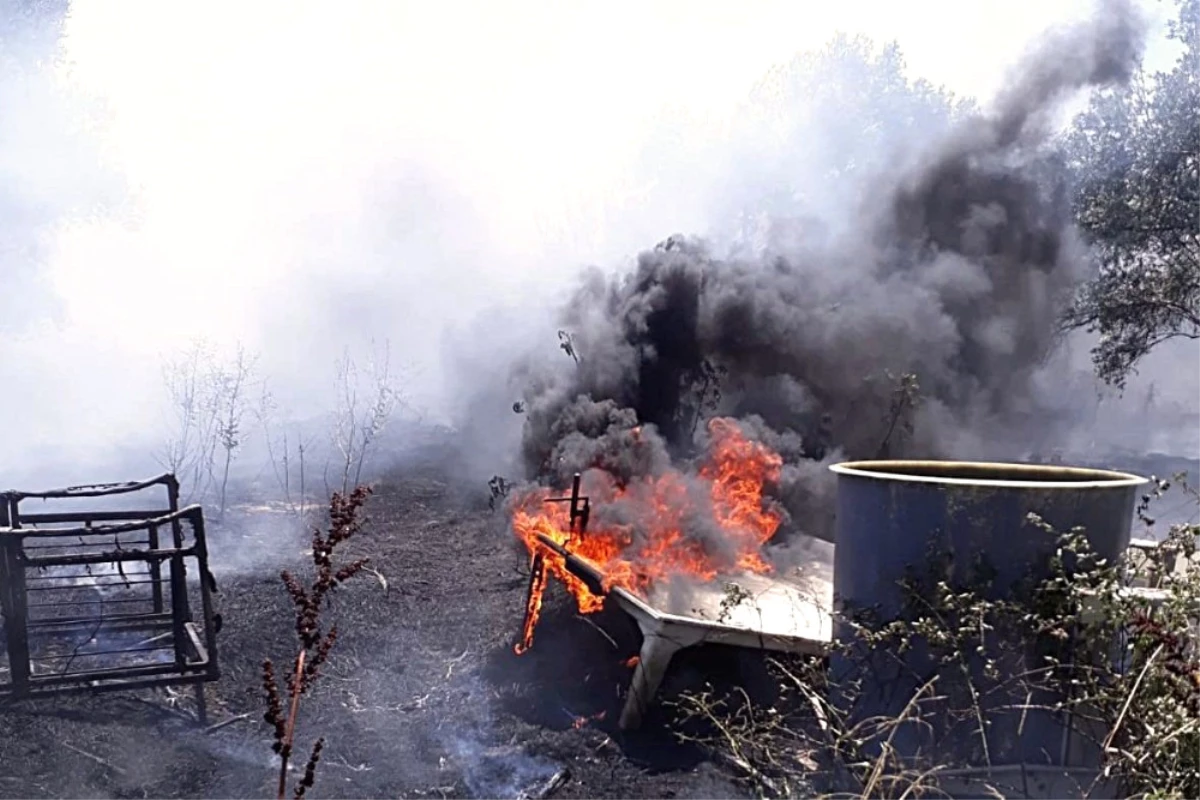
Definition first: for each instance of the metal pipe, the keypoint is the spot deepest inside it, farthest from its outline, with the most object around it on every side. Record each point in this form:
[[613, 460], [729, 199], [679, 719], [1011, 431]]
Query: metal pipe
[[156, 590], [51, 517], [16, 617], [148, 620], [207, 586], [82, 547], [115, 685], [96, 489], [91, 585], [111, 557], [95, 653], [173, 518], [117, 672], [106, 601], [579, 567]]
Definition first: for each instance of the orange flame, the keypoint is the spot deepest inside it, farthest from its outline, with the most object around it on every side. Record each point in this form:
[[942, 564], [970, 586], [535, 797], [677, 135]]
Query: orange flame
[[732, 478], [579, 722]]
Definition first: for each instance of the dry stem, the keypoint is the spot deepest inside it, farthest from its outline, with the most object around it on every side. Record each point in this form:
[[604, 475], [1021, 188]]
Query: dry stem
[[314, 643]]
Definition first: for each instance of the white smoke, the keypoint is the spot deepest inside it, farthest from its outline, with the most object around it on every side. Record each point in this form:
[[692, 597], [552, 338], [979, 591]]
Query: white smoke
[[304, 177]]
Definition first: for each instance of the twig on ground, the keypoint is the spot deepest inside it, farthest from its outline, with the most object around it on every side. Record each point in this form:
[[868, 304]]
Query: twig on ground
[[341, 761], [1112, 734], [548, 788], [169, 711], [226, 723], [379, 576], [603, 632], [101, 761], [450, 664], [751, 771], [415, 703]]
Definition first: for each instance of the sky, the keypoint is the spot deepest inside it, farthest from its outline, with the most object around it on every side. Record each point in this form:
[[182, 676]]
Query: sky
[[278, 161]]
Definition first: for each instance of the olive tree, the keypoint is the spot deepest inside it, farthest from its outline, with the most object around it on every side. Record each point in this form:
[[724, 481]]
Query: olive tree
[[1135, 155]]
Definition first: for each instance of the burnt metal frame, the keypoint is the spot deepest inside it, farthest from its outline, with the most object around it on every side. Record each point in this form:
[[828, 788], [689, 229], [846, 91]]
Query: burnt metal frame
[[663, 634], [195, 652], [580, 512]]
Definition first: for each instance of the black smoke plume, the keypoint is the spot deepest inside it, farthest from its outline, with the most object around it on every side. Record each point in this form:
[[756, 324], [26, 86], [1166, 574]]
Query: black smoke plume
[[918, 336]]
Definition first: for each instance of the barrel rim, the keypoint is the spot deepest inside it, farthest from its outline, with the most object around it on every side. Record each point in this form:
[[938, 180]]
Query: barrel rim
[[1089, 478]]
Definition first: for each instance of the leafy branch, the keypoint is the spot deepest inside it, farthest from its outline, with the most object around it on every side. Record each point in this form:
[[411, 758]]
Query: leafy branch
[[1114, 646]]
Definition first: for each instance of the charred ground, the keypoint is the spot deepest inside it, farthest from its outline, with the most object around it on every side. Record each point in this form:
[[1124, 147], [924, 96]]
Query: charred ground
[[423, 696]]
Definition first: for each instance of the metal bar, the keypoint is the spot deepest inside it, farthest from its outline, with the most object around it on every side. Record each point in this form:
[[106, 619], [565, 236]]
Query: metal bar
[[16, 619], [96, 489], [8, 603], [148, 620], [201, 704], [95, 653], [199, 651], [195, 516], [179, 615], [110, 685], [110, 557], [155, 570], [72, 577], [580, 508], [52, 517], [71, 603], [537, 583], [579, 567], [105, 602], [46, 540], [75, 586], [119, 672], [189, 512], [207, 585], [83, 547]]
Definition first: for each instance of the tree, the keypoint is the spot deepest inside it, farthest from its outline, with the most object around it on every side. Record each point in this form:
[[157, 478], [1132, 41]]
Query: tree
[[363, 411], [818, 127], [1135, 154], [207, 399]]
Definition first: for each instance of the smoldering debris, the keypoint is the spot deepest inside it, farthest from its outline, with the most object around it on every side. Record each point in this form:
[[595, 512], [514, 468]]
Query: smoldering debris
[[502, 771], [483, 767], [919, 335]]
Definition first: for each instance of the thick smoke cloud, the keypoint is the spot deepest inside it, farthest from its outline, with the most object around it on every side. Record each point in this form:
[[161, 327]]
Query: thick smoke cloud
[[152, 193], [956, 273]]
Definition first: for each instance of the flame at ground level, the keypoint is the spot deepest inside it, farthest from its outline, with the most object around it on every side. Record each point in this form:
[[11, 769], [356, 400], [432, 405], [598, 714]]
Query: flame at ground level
[[654, 544]]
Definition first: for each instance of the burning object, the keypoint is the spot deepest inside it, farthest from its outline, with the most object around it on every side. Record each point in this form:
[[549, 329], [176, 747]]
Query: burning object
[[99, 600], [682, 554]]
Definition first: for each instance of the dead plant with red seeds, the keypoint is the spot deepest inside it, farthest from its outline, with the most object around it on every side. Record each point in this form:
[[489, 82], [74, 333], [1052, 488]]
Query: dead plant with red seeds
[[315, 643]]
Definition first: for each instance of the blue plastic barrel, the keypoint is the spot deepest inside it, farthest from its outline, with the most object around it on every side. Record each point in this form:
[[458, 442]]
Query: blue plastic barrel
[[892, 514]]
